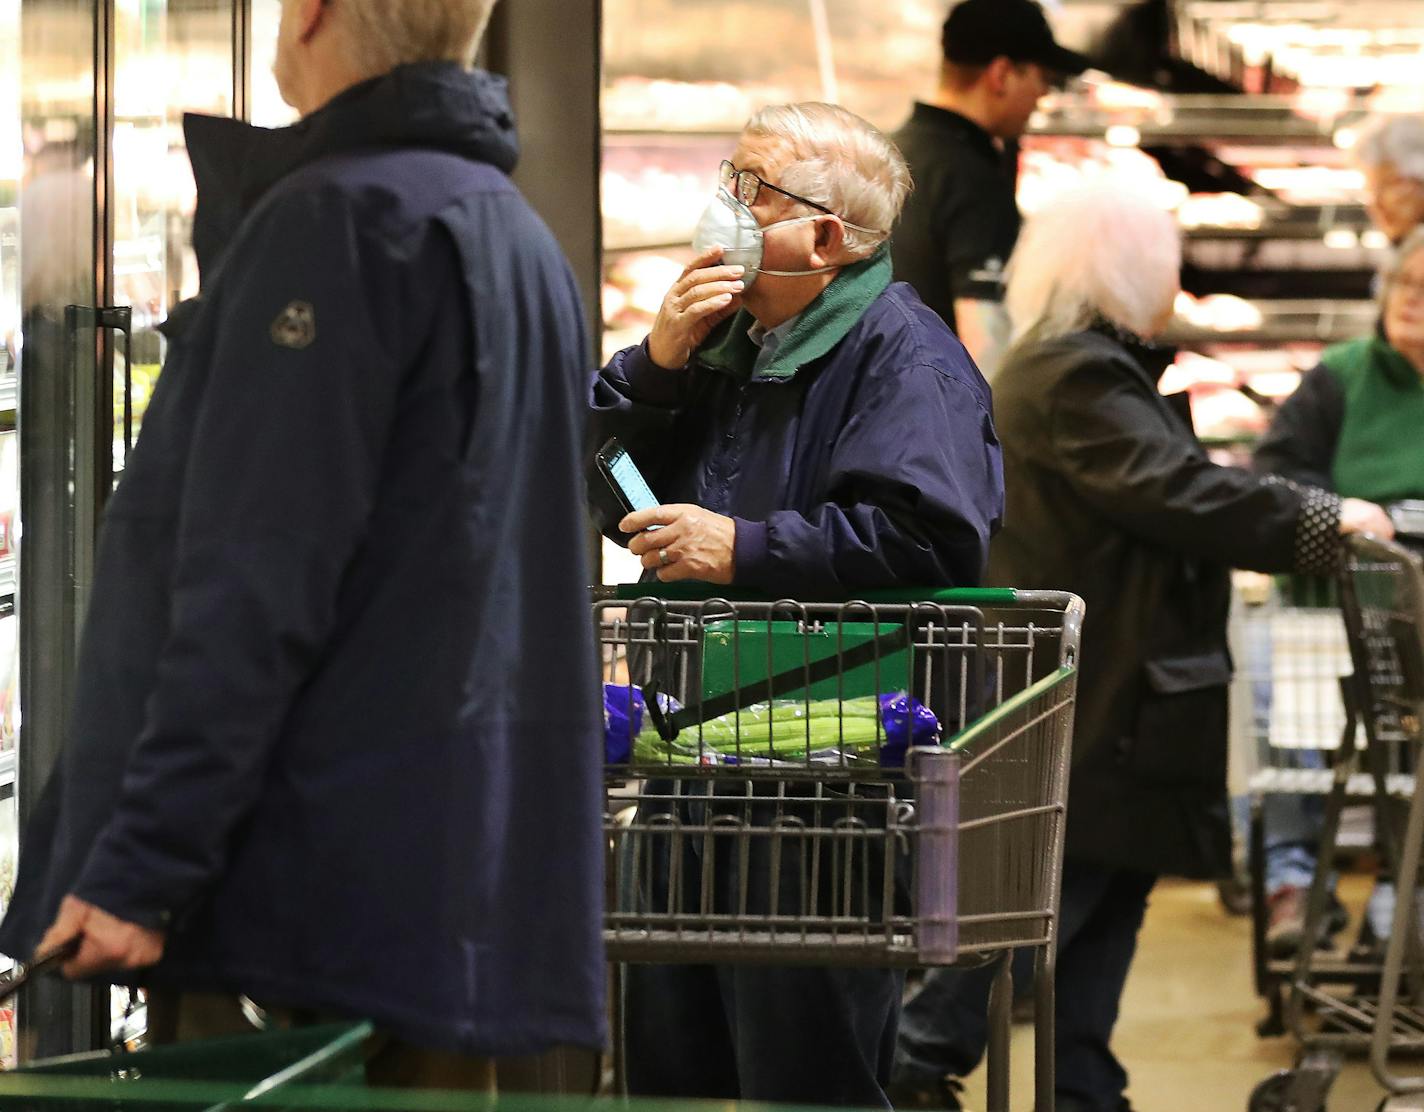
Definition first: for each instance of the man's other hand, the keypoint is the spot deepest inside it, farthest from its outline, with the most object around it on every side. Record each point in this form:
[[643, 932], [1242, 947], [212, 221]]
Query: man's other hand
[[692, 543], [107, 944], [702, 298]]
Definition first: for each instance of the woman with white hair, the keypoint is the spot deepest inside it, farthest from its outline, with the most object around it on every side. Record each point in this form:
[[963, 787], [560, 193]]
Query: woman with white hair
[[1111, 496], [1390, 151]]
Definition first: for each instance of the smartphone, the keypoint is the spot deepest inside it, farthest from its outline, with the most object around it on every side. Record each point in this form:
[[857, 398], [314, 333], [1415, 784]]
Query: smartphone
[[623, 476]]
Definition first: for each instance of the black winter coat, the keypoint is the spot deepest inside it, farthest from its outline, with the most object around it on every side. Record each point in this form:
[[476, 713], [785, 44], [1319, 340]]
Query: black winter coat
[[1111, 496]]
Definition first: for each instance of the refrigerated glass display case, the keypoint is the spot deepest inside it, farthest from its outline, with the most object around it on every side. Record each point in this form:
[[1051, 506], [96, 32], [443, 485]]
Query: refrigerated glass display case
[[171, 57]]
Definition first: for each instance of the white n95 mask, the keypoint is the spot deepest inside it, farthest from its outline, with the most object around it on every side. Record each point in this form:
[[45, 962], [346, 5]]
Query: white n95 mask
[[729, 224]]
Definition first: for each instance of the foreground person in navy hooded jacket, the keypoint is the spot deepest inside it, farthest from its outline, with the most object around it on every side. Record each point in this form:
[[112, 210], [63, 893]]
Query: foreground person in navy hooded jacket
[[813, 431], [314, 756]]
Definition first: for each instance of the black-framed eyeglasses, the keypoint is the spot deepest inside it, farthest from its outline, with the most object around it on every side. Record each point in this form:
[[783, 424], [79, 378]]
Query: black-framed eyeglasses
[[746, 186]]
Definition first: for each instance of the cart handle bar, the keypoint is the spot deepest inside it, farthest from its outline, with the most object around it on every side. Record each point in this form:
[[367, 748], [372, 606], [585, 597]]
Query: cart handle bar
[[698, 592]]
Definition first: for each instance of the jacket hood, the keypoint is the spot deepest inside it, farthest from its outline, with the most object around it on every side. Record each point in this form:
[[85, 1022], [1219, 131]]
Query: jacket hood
[[437, 105]]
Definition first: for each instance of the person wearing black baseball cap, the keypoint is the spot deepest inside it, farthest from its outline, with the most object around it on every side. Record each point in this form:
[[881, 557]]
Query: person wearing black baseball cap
[[960, 224]]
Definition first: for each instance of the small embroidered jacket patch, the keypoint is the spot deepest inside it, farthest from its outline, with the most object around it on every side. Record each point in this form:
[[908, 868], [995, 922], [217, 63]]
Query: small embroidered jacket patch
[[295, 326]]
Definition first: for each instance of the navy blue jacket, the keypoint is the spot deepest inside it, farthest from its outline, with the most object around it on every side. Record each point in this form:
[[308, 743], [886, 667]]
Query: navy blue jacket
[[336, 723], [875, 465]]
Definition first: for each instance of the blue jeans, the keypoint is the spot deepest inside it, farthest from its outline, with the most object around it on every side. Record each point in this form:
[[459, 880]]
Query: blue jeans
[[944, 1030], [1292, 826]]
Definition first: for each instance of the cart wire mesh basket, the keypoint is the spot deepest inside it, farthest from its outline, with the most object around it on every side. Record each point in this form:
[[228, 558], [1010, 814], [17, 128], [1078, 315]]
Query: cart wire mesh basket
[[1290, 721], [877, 783]]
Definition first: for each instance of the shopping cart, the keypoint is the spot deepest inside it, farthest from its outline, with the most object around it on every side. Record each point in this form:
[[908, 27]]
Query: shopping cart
[[776, 790], [1379, 1008], [1288, 719]]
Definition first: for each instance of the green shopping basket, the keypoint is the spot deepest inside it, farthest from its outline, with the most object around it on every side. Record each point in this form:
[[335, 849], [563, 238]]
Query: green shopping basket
[[271, 1069]]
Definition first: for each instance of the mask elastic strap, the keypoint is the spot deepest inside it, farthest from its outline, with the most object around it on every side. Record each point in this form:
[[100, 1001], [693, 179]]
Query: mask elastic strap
[[807, 220], [820, 216], [797, 273]]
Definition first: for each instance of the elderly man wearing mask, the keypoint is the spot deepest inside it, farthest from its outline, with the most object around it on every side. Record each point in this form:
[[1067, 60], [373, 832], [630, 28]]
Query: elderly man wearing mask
[[1112, 497], [815, 431]]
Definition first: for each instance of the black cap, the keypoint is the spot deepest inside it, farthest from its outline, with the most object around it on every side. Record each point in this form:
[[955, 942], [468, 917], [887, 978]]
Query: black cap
[[978, 31]]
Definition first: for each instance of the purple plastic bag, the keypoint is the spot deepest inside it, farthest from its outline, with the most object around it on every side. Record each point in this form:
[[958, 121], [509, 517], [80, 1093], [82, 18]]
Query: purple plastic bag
[[908, 723]]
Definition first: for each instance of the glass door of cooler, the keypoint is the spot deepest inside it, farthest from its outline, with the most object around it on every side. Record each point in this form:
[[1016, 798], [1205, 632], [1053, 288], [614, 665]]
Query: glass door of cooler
[[96, 207], [49, 245], [170, 57]]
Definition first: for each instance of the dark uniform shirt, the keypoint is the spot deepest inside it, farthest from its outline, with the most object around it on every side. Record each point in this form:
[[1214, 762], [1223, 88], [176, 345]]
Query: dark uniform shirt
[[961, 221]]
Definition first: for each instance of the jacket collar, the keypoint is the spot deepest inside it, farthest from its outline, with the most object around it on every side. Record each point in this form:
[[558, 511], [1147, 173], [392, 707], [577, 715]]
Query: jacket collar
[[955, 125], [1390, 362], [437, 105], [820, 327], [1152, 357]]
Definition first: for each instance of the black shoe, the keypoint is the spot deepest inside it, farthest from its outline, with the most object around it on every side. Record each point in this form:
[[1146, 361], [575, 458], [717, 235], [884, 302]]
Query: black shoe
[[1234, 893], [936, 1092]]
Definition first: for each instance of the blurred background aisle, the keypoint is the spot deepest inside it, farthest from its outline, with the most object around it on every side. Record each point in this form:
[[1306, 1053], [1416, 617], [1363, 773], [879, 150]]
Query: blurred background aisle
[[1188, 1026]]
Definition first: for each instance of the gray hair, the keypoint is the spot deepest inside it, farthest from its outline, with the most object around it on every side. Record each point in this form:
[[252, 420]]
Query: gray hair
[[1102, 249], [384, 34], [1397, 141], [1411, 245], [841, 162]]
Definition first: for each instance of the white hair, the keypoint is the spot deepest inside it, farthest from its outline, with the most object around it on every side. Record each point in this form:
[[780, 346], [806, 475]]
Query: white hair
[[1410, 246], [384, 34], [1101, 249], [841, 162], [1396, 141]]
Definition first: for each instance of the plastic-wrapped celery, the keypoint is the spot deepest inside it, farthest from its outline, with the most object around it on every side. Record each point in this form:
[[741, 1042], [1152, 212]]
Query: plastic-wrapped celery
[[870, 727], [791, 724]]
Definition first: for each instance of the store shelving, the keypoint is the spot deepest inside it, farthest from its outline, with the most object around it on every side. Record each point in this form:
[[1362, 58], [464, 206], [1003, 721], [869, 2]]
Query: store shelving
[[1284, 322], [1278, 251], [1159, 119]]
